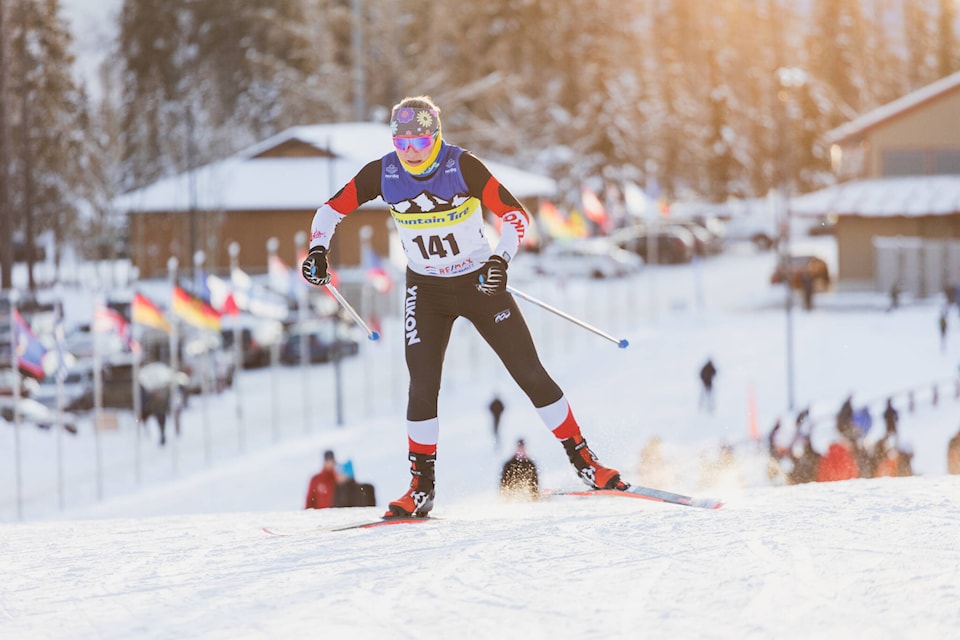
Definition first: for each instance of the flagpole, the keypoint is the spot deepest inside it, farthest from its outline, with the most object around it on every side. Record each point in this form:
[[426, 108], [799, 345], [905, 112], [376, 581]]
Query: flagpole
[[137, 348], [15, 365], [60, 374], [300, 244], [198, 260], [272, 243], [97, 390], [366, 233], [172, 264], [234, 251]]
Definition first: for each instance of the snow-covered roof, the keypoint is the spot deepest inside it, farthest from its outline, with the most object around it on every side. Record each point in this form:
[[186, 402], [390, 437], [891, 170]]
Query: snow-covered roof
[[245, 182], [900, 196], [893, 109]]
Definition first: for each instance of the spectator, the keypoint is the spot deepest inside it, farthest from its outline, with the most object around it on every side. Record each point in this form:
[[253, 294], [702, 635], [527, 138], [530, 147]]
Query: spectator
[[707, 373], [776, 452], [904, 461], [894, 296], [808, 285], [953, 455], [890, 418], [839, 463], [845, 418], [806, 465], [863, 421], [155, 402], [496, 410], [518, 479], [323, 490], [943, 330], [885, 459]]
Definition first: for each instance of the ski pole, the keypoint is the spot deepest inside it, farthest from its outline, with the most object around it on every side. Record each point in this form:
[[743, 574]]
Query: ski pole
[[371, 334], [622, 343]]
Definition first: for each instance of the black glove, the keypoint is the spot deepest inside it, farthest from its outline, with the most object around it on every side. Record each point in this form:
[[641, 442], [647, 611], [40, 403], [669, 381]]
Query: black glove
[[314, 267], [493, 276]]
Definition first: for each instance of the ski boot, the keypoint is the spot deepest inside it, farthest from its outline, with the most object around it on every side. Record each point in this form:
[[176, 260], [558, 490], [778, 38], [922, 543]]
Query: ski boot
[[418, 500], [593, 474]]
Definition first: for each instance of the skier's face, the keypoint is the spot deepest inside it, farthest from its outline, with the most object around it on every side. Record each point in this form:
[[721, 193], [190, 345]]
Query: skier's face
[[414, 150]]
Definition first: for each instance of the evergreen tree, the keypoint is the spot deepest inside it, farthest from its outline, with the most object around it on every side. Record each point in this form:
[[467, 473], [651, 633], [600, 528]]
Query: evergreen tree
[[919, 30], [46, 118], [948, 51], [203, 78], [6, 213]]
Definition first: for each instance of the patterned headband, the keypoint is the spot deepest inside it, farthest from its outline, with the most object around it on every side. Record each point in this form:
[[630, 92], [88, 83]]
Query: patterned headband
[[414, 121]]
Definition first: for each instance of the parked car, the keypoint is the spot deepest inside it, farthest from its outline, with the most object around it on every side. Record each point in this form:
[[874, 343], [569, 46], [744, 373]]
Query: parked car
[[674, 245], [801, 267], [591, 258], [257, 338], [34, 413], [707, 240], [209, 366], [325, 339], [77, 389]]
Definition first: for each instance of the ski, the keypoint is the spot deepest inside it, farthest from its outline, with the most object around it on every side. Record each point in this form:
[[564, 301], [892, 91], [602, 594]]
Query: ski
[[367, 524], [644, 493]]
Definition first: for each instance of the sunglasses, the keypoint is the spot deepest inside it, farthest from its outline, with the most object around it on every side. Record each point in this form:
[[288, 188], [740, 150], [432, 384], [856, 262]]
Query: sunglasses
[[419, 143]]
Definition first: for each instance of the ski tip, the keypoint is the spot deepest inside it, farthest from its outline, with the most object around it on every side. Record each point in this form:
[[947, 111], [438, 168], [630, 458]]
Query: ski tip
[[374, 335], [624, 343]]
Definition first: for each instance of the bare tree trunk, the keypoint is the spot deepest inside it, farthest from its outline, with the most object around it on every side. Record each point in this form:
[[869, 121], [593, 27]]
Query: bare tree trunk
[[6, 221], [29, 241]]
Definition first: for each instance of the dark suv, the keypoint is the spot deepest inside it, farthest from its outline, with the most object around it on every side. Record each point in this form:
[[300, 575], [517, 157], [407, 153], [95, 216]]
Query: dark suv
[[801, 268], [674, 244]]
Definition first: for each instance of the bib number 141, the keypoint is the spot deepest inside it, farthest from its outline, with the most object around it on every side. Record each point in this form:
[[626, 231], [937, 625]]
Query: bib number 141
[[437, 246]]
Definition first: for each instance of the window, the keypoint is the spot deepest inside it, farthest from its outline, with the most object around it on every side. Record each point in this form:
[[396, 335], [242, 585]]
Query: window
[[921, 162], [946, 162], [903, 163]]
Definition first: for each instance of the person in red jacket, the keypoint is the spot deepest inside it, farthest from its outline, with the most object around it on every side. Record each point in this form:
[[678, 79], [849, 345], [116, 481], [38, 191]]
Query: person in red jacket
[[838, 463], [323, 486]]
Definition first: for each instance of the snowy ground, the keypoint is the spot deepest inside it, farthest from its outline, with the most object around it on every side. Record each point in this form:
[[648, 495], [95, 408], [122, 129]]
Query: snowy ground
[[158, 543]]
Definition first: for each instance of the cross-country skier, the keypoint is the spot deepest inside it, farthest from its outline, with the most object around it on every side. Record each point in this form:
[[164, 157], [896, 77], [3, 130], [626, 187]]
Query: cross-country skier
[[436, 193]]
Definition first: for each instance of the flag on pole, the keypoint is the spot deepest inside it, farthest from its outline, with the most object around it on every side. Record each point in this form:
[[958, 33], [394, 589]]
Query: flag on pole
[[638, 204], [553, 221], [194, 311], [109, 321], [577, 225], [594, 209], [258, 301], [144, 311], [279, 276], [375, 272], [60, 340], [29, 349]]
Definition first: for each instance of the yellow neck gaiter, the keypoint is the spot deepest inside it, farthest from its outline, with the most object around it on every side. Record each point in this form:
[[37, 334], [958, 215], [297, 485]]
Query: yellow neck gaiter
[[427, 165]]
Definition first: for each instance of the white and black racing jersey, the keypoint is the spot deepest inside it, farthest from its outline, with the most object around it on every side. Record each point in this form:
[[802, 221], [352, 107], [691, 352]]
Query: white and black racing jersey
[[439, 217]]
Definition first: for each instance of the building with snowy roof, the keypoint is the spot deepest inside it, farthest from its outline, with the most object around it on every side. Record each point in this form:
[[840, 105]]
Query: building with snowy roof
[[897, 206], [271, 190]]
